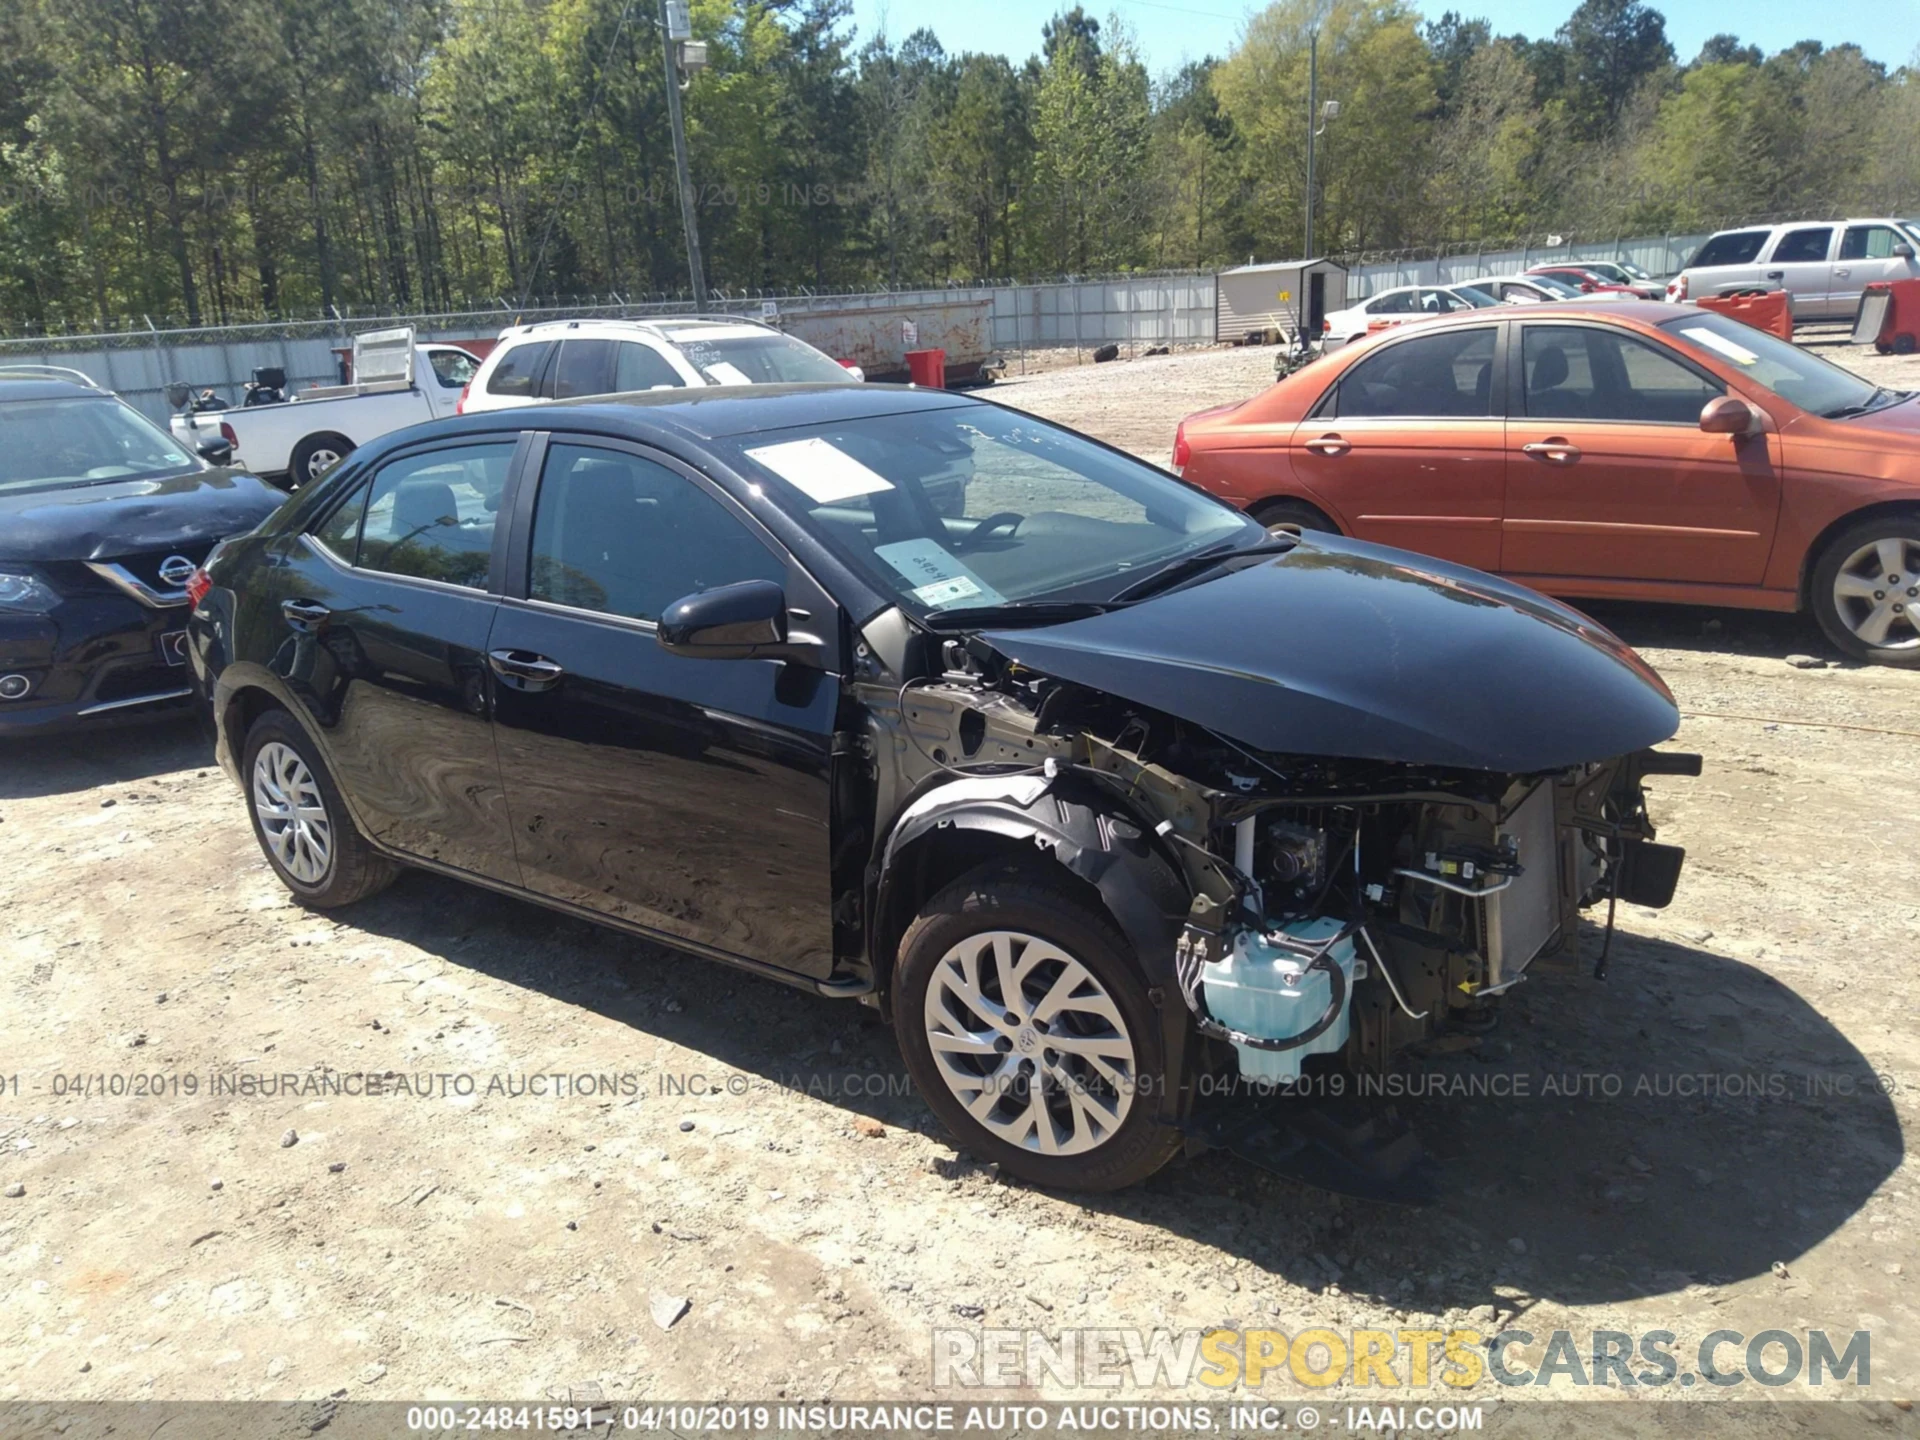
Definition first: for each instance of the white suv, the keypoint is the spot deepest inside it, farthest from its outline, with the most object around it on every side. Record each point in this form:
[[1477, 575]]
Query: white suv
[[564, 359], [1823, 265]]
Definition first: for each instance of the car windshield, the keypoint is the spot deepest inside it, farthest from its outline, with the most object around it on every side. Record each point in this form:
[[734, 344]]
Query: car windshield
[[1476, 297], [1787, 370], [1555, 286], [45, 444], [756, 357], [972, 507]]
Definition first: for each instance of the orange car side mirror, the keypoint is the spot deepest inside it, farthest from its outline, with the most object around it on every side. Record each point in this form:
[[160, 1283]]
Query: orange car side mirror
[[1729, 415]]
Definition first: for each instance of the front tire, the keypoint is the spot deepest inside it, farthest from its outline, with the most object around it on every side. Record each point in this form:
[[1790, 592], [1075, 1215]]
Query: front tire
[[301, 822], [1025, 1023], [1865, 591]]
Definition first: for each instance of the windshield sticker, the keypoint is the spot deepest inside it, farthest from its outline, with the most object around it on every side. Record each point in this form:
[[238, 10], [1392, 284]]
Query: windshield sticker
[[1732, 349], [728, 374], [824, 473], [937, 577]]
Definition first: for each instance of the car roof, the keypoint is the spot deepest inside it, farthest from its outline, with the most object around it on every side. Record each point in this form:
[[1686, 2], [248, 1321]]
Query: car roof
[[654, 324], [11, 389]]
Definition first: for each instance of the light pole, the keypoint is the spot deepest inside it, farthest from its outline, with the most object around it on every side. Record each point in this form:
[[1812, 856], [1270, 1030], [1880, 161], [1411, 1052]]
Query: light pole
[[1316, 114], [686, 57]]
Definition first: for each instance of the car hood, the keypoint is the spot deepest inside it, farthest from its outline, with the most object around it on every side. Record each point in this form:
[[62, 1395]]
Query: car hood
[[1343, 648], [123, 517]]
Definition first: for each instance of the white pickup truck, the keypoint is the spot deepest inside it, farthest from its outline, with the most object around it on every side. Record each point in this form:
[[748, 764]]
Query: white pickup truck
[[396, 382]]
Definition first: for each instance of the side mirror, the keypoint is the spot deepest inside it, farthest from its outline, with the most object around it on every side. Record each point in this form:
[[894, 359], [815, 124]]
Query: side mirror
[[1903, 252], [1729, 415], [729, 622], [178, 395], [215, 450]]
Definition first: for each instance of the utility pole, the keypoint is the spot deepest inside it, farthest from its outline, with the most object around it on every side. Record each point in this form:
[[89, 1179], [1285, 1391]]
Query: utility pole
[[1313, 118], [676, 28]]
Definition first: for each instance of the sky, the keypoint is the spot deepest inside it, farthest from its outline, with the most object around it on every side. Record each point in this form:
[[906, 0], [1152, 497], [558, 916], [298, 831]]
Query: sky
[[1170, 31]]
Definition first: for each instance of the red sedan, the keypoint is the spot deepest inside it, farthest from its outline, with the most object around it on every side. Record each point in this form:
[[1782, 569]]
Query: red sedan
[[1630, 450]]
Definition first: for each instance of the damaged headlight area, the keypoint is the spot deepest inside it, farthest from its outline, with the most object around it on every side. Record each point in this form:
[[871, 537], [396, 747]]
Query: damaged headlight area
[[1334, 907]]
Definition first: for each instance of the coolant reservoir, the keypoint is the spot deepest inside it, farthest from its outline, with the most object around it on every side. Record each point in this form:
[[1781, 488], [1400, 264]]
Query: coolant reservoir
[[1261, 989]]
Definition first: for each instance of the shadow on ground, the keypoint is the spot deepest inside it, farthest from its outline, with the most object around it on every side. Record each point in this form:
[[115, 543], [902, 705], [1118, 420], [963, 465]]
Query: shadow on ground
[[1689, 1120], [1764, 633], [57, 764]]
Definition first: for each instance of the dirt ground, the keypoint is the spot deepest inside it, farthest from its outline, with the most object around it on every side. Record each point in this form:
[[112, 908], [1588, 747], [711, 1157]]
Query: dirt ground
[[755, 1153]]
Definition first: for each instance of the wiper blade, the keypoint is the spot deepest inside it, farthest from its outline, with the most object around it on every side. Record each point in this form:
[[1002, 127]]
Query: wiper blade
[[1014, 612], [1193, 566], [1846, 412]]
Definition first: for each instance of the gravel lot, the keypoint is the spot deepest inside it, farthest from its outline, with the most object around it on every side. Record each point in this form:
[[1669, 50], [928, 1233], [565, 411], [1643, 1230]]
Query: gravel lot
[[759, 1156]]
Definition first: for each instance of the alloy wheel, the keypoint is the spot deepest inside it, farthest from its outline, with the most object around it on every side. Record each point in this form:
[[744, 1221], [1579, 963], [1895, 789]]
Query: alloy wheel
[[1875, 592], [293, 817], [1030, 1043]]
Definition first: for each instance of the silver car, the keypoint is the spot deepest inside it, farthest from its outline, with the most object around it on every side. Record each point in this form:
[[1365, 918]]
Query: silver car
[[1824, 265]]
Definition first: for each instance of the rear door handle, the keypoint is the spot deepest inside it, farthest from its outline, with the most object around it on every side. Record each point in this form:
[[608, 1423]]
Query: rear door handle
[[1328, 445], [1843, 272], [1776, 274], [1556, 450], [305, 615], [524, 670]]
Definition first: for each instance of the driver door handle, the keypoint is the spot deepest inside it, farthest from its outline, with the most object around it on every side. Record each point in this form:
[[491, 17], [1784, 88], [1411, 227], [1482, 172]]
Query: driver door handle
[[1328, 445], [1554, 449], [305, 616], [524, 670]]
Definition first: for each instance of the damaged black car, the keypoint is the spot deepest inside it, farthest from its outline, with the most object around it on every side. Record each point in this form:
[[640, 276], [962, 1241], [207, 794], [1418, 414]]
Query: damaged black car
[[1101, 792]]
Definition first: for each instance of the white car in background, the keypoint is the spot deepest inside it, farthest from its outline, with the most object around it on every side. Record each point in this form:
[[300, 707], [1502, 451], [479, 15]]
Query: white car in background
[[568, 359], [1403, 302]]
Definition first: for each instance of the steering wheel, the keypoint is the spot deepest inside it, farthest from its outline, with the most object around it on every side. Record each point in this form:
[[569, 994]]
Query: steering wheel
[[999, 520]]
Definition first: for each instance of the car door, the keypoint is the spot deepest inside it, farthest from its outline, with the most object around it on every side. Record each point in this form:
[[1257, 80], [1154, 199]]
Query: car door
[[1609, 474], [1801, 263], [386, 605], [1867, 254], [1409, 447], [686, 796]]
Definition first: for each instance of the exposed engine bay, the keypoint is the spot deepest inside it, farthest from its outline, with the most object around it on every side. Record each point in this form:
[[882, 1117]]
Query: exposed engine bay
[[1335, 908]]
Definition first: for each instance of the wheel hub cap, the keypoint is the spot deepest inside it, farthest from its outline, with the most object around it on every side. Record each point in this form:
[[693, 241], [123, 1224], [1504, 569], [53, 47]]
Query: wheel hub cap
[[293, 818], [1874, 590], [1030, 1043]]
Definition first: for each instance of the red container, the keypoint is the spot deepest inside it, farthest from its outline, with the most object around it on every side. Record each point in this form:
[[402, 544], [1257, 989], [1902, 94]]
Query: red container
[[927, 368], [1769, 310], [1889, 317]]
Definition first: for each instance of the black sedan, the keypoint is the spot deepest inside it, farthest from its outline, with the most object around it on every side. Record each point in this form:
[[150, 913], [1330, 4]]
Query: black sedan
[[103, 519], [1099, 790]]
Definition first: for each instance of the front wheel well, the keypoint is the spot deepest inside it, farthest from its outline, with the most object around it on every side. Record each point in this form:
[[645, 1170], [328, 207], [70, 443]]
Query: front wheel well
[[1886, 509]]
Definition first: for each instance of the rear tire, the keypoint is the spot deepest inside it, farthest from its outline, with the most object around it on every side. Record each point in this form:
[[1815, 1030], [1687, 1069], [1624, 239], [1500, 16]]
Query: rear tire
[[301, 821], [316, 455], [1287, 516], [1061, 1083], [1865, 591]]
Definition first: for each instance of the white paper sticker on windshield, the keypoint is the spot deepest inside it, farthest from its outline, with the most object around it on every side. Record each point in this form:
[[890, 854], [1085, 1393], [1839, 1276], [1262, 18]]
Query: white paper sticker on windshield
[[1732, 349], [824, 473], [728, 374], [936, 576]]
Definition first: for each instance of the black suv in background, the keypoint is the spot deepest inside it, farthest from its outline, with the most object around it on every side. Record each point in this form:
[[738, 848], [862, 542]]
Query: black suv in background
[[1096, 787], [104, 518]]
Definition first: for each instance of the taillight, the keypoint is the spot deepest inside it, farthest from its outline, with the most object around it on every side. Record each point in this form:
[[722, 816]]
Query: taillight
[[460, 405], [226, 434], [1182, 452], [1677, 288], [198, 584], [1326, 327]]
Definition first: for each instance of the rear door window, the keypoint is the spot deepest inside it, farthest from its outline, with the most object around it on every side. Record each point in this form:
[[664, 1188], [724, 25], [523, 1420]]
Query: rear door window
[[1741, 247], [1448, 375], [641, 367], [585, 368], [432, 516], [1804, 245], [519, 369]]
